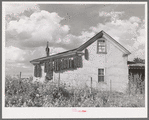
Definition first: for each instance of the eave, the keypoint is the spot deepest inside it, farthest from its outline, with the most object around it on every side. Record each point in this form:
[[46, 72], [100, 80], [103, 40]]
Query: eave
[[56, 56]]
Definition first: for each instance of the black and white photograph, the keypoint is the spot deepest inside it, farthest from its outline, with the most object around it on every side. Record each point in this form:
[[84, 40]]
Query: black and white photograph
[[74, 59]]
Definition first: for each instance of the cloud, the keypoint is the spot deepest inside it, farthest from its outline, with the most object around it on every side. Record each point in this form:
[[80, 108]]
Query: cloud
[[14, 54], [19, 60], [113, 14], [26, 38], [130, 33], [17, 8], [40, 27], [134, 19], [36, 30]]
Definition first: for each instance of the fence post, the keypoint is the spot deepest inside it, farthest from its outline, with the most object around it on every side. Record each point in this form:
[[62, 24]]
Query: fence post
[[91, 85], [20, 75], [129, 86], [59, 81], [110, 86], [74, 94]]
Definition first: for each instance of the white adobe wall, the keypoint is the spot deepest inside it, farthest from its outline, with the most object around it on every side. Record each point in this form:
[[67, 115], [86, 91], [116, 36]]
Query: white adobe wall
[[116, 69], [115, 65]]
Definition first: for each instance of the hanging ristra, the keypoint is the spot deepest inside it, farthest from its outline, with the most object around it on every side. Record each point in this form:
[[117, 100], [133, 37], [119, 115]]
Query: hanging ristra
[[49, 74], [46, 64], [75, 62], [70, 63], [62, 64], [86, 54], [80, 61], [59, 64], [55, 65], [67, 63], [37, 70]]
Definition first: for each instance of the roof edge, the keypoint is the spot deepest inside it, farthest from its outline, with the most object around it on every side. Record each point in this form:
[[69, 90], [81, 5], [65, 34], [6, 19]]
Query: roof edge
[[121, 46], [56, 56], [90, 41]]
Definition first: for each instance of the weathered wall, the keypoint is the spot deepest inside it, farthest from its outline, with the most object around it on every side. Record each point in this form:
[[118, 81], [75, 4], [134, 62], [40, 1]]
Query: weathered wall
[[116, 69], [115, 65]]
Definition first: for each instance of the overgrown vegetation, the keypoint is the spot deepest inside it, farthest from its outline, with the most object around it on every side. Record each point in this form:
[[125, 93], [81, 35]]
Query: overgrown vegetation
[[24, 93], [136, 84]]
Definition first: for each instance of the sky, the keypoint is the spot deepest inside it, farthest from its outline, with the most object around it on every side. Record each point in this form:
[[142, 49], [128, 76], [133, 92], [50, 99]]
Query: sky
[[28, 27]]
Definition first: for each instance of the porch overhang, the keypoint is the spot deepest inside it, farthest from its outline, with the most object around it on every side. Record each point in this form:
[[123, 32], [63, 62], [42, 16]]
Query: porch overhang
[[56, 56]]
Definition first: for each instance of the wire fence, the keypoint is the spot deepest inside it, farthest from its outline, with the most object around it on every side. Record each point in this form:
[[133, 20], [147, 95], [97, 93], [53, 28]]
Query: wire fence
[[133, 86]]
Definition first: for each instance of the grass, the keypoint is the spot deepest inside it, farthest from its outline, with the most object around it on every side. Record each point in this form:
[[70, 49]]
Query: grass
[[24, 93]]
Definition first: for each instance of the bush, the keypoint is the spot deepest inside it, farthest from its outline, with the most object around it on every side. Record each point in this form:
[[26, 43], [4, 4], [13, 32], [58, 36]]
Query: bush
[[28, 94], [136, 84]]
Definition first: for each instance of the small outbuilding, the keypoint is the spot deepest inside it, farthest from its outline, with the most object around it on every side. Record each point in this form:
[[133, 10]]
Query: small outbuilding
[[137, 75]]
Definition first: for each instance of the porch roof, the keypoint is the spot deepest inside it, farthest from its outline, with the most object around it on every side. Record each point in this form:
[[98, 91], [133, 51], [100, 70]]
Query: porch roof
[[69, 53], [136, 66]]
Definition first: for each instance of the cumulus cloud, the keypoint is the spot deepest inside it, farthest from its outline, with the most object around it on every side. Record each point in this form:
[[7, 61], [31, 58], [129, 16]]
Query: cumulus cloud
[[40, 27], [19, 60], [14, 54], [35, 30], [28, 36], [135, 19], [130, 33], [17, 8], [114, 15]]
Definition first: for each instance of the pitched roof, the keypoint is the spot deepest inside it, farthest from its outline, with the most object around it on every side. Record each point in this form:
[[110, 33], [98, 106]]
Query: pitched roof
[[82, 47], [90, 41]]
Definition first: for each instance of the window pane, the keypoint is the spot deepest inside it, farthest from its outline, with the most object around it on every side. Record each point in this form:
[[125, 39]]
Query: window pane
[[101, 42], [100, 78], [103, 49], [100, 49], [100, 71], [101, 46]]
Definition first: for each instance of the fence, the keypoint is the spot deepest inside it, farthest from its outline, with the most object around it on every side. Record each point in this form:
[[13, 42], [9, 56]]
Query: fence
[[90, 92], [20, 75], [111, 85], [135, 84]]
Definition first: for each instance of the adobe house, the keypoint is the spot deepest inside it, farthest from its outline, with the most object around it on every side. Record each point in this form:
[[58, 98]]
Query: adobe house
[[101, 59]]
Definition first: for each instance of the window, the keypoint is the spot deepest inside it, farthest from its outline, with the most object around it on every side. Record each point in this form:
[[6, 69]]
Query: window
[[101, 75], [101, 46]]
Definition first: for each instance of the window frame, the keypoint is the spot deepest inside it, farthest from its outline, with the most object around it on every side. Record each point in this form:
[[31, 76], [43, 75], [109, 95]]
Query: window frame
[[101, 46], [101, 75]]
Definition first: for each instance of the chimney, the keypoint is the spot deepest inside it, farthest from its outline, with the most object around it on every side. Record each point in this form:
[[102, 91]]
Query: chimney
[[47, 49]]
